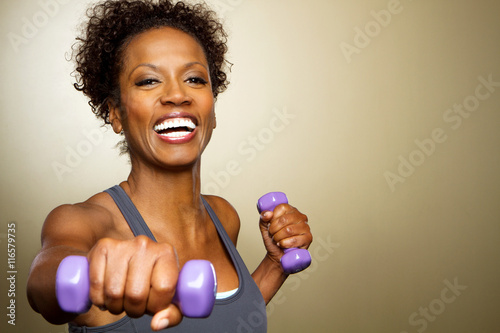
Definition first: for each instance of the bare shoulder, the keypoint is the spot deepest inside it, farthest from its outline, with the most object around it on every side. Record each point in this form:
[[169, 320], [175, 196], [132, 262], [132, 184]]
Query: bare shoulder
[[227, 215], [79, 225]]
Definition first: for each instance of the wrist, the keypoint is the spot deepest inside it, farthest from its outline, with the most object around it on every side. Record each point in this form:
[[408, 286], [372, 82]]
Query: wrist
[[269, 277], [275, 264]]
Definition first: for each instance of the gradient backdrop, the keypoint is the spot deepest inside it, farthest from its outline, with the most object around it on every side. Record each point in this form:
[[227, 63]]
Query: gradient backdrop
[[379, 118]]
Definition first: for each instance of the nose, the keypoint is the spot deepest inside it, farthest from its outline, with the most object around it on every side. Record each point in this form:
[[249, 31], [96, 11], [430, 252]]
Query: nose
[[175, 93]]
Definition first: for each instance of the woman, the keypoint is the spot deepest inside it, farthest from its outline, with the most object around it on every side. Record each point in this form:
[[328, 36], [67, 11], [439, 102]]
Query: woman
[[152, 70]]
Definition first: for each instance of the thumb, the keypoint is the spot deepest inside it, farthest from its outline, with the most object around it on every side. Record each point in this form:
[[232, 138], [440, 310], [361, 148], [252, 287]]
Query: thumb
[[169, 317], [266, 216]]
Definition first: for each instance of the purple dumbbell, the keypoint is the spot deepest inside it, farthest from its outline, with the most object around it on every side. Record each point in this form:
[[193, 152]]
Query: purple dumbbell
[[194, 295], [294, 260]]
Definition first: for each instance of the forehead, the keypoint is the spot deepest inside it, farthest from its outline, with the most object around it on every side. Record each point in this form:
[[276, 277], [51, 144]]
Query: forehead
[[164, 44]]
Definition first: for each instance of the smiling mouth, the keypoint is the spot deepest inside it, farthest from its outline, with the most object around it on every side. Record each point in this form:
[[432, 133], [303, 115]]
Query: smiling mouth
[[175, 127]]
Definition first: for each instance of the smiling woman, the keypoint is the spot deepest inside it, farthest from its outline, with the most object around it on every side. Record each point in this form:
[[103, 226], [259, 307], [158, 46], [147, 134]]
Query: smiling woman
[[121, 22], [153, 70], [164, 69]]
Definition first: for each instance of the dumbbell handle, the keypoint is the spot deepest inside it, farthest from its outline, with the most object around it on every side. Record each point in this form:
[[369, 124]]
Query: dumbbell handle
[[195, 291], [294, 260]]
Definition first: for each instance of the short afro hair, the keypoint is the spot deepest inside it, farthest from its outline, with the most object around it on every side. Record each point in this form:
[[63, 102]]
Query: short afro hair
[[111, 24]]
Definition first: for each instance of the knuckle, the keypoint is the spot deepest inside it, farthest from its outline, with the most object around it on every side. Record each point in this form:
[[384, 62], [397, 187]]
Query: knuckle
[[101, 247], [282, 207], [141, 242], [136, 295], [113, 293], [96, 284], [164, 287], [283, 221], [292, 242]]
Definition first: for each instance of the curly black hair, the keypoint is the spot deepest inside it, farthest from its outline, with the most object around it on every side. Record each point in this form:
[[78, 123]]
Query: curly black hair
[[111, 25]]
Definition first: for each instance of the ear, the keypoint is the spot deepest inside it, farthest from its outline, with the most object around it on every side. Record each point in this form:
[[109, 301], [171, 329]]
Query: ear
[[115, 116], [215, 120]]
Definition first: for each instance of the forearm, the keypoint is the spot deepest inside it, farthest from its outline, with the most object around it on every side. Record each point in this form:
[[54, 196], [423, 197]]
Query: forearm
[[269, 277], [41, 284]]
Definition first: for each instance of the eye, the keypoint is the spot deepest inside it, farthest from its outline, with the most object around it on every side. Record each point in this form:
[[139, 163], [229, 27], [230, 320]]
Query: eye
[[146, 82], [197, 80]]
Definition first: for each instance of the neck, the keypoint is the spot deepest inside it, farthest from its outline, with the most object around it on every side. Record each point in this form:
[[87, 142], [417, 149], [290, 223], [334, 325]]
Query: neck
[[173, 195]]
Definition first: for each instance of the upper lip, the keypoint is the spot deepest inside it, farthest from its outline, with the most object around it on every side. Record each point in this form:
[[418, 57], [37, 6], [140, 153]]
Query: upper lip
[[176, 115]]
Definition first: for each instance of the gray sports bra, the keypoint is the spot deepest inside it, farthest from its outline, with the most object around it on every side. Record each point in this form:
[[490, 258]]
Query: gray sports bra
[[244, 311]]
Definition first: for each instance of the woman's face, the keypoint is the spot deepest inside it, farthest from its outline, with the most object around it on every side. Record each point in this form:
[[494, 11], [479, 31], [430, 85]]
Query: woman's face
[[166, 105]]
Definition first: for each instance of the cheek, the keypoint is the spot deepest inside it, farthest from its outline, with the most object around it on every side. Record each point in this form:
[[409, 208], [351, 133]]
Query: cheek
[[134, 109], [208, 104]]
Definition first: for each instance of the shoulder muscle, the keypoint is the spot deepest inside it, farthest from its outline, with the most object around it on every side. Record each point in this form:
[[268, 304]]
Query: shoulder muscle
[[227, 215], [76, 225]]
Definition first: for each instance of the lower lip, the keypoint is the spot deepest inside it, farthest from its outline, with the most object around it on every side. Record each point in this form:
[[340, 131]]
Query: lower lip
[[177, 140]]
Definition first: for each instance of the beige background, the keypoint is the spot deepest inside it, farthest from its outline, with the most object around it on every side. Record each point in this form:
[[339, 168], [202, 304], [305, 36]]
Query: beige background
[[356, 108]]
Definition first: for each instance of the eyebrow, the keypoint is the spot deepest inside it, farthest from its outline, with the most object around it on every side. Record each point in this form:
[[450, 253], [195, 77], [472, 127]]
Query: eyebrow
[[191, 64], [141, 65], [154, 67]]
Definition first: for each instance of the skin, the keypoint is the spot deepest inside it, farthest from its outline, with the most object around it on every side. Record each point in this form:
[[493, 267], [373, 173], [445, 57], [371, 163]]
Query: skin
[[165, 71]]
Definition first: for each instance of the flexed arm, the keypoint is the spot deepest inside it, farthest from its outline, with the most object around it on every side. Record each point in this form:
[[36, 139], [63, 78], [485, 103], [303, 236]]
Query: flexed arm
[[283, 228]]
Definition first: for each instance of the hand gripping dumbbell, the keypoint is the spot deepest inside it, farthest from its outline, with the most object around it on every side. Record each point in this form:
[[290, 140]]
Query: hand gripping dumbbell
[[294, 260], [194, 295]]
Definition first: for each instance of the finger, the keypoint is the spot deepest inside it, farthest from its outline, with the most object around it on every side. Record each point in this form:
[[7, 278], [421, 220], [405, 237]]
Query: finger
[[298, 241], [266, 216], [282, 209], [169, 317], [137, 285], [114, 284], [163, 281], [106, 277], [300, 228], [97, 267], [291, 217]]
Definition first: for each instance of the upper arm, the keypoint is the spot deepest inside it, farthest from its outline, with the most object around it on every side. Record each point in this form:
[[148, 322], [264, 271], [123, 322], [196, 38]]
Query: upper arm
[[70, 226]]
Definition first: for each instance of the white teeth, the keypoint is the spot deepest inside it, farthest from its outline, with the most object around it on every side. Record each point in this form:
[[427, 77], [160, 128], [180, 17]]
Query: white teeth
[[175, 123], [175, 134]]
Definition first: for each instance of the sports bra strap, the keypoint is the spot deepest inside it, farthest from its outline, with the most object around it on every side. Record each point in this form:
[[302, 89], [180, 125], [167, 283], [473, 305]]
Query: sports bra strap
[[130, 212]]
